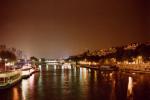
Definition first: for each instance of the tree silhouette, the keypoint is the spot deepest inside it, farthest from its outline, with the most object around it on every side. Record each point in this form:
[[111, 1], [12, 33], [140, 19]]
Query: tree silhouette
[[10, 56]]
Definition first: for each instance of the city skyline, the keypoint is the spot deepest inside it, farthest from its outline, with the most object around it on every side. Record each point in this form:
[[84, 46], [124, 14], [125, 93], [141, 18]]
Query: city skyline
[[59, 29]]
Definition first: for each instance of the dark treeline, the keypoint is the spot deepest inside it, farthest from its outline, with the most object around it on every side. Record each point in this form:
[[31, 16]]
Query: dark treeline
[[6, 54]]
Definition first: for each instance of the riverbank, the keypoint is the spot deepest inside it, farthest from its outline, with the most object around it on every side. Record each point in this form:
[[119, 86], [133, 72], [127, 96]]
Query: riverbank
[[142, 69]]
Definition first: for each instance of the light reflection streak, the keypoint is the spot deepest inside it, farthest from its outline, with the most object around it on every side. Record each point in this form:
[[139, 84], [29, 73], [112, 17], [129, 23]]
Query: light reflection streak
[[31, 81], [75, 70], [84, 74], [25, 86], [111, 76], [40, 67], [95, 75], [130, 87], [15, 94], [113, 82], [89, 70], [66, 66], [54, 67], [46, 67], [80, 73]]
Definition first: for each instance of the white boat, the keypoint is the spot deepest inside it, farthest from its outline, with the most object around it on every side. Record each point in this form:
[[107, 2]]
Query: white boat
[[9, 78], [26, 71]]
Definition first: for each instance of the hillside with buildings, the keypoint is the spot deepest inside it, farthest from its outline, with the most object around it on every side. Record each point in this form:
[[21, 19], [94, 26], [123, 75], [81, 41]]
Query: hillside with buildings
[[133, 53]]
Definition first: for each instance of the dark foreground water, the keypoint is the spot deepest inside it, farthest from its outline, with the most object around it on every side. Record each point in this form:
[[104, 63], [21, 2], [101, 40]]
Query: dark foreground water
[[59, 83]]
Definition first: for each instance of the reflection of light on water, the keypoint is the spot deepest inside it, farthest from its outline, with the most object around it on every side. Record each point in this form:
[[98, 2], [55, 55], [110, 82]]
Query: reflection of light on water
[[46, 67], [110, 75], [130, 86], [31, 81], [113, 92], [54, 67], [69, 67], [40, 81], [66, 66], [15, 94], [25, 86], [80, 73], [40, 67], [95, 75], [83, 73], [89, 70], [75, 70]]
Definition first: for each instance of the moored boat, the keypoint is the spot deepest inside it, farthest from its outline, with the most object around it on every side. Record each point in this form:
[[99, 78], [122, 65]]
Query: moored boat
[[9, 78], [26, 71]]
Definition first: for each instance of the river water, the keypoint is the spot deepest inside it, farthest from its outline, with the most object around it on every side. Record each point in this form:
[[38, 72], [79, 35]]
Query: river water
[[71, 83]]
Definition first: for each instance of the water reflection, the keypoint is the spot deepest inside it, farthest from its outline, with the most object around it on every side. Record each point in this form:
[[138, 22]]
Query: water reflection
[[95, 76], [15, 94], [24, 88], [71, 83], [55, 67], [83, 74], [40, 67], [130, 86], [46, 67]]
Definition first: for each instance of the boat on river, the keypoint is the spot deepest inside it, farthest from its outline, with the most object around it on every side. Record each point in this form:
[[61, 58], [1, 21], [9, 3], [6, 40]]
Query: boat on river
[[27, 70], [9, 78]]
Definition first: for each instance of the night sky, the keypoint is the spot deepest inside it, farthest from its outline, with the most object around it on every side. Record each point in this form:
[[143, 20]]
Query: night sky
[[59, 28]]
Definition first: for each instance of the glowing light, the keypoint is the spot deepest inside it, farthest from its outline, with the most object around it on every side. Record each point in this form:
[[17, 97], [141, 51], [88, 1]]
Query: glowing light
[[54, 67], [87, 63], [46, 67], [81, 73], [15, 94], [7, 64], [24, 88], [31, 81], [130, 86], [66, 66], [84, 73], [40, 60], [40, 67], [111, 75], [95, 75], [89, 70]]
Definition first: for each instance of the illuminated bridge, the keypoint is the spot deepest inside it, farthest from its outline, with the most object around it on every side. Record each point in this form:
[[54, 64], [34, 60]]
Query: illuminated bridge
[[54, 61]]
